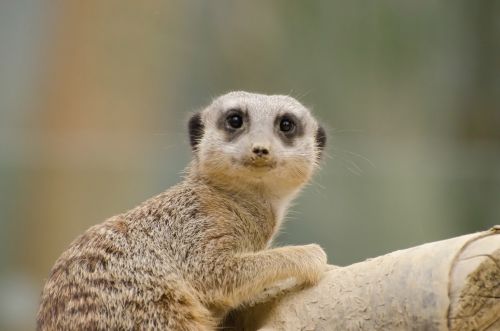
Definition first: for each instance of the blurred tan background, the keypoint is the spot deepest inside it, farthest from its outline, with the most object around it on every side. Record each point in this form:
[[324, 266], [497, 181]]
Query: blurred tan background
[[94, 97]]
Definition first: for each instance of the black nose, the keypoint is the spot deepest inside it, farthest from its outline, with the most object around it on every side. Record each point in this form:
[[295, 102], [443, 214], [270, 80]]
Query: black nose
[[260, 151]]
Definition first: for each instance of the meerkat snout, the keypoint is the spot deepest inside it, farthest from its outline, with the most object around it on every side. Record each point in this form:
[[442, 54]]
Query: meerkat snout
[[261, 150]]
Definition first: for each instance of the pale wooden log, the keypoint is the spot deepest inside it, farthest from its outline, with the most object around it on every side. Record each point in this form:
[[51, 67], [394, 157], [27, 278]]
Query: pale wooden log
[[446, 285]]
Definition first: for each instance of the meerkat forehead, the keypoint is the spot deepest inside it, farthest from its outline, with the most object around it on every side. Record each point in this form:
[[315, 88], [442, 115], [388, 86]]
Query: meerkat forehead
[[258, 104]]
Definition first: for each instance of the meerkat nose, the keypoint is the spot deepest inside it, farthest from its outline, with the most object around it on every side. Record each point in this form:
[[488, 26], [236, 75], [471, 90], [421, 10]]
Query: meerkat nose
[[260, 150]]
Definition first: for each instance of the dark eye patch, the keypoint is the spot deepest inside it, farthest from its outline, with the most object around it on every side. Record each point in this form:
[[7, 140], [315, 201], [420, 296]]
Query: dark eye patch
[[233, 122], [288, 127]]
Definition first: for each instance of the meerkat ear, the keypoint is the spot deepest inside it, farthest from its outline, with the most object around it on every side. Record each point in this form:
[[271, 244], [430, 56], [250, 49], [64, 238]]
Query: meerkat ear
[[320, 140], [196, 128]]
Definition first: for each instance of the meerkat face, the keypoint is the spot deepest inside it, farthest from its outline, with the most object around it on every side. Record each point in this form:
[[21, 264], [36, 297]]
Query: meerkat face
[[257, 139]]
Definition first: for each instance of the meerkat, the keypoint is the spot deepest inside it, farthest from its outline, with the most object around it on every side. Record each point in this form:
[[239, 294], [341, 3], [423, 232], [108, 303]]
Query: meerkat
[[183, 259]]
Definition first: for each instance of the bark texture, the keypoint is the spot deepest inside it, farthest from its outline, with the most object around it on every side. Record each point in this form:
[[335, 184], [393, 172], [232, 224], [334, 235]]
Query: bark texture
[[447, 285]]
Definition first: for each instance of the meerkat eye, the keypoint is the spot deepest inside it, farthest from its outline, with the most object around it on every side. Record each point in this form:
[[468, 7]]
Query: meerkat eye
[[287, 125], [235, 121]]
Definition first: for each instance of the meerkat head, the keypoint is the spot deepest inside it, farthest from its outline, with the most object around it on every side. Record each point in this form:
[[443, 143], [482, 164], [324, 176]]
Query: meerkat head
[[271, 142]]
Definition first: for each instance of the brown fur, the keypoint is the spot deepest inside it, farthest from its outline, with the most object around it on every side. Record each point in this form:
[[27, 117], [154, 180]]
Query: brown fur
[[179, 261]]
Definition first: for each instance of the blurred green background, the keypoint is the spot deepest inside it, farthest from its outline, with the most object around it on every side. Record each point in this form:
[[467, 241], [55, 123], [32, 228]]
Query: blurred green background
[[94, 97]]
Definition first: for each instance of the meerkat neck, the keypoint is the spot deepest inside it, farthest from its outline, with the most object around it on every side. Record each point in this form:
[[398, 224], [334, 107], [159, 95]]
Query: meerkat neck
[[264, 193]]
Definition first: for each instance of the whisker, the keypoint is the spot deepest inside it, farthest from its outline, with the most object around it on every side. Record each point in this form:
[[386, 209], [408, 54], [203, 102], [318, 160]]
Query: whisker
[[317, 184], [357, 155], [337, 131], [299, 96], [354, 168]]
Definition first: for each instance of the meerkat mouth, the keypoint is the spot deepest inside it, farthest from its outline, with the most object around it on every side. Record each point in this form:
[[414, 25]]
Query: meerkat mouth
[[261, 164]]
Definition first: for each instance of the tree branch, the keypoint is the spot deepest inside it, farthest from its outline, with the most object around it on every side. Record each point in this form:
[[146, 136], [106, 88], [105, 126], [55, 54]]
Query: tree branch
[[446, 285]]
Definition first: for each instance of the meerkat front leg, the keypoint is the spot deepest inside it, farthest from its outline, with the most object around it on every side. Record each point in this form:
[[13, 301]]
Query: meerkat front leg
[[275, 290], [244, 278], [279, 288]]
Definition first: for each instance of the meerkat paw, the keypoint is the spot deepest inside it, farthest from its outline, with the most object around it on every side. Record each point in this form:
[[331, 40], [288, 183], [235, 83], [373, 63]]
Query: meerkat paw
[[314, 265]]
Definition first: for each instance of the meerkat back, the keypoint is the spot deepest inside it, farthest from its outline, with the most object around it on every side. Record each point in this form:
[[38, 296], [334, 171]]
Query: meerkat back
[[183, 259]]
